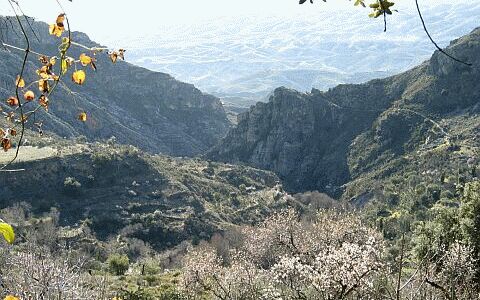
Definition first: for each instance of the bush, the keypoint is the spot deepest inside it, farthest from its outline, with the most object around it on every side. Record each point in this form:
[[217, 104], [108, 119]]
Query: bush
[[71, 186], [118, 264]]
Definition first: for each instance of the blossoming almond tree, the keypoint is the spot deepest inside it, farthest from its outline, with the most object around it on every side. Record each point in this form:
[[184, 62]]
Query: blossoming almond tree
[[333, 257]]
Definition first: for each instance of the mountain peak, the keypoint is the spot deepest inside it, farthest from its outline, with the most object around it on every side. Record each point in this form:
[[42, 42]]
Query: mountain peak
[[322, 140], [465, 49]]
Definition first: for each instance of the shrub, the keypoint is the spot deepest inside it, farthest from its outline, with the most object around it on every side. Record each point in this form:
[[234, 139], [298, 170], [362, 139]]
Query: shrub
[[71, 186], [118, 264]]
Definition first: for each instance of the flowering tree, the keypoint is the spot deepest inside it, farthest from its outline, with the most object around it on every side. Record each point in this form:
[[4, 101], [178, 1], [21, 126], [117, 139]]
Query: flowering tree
[[36, 273], [333, 257]]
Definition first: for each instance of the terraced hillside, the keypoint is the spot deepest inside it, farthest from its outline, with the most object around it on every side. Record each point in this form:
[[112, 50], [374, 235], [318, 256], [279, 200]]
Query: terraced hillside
[[121, 190]]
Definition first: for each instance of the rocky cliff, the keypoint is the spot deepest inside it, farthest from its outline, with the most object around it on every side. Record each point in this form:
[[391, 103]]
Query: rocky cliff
[[323, 140], [148, 109]]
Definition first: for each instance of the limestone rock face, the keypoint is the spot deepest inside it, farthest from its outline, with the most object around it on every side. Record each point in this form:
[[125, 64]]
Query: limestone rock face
[[147, 109], [322, 140], [299, 136]]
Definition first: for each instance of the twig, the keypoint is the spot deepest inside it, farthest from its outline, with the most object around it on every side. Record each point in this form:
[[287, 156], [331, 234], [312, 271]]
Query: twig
[[385, 21], [27, 50], [25, 57], [434, 43], [12, 171], [21, 49], [88, 48]]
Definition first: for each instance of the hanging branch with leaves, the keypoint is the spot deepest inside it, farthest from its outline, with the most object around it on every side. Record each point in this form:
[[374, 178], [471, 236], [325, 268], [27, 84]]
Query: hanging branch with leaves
[[383, 8], [50, 74]]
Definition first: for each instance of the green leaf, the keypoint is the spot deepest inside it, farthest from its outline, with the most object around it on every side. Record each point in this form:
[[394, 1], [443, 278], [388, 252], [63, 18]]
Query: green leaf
[[8, 233], [387, 4], [64, 66], [376, 14], [359, 2], [64, 46]]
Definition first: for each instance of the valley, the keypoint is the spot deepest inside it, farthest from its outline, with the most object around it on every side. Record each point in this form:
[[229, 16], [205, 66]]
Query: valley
[[242, 60], [295, 178]]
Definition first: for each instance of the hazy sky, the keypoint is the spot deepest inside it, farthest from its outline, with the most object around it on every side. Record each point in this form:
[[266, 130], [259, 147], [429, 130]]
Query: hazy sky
[[102, 19]]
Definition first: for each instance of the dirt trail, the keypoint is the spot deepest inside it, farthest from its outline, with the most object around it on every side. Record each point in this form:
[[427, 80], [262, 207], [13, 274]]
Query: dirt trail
[[30, 153]]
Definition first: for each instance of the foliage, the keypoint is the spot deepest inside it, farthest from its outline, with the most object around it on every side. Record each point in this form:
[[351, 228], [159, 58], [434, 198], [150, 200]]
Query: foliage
[[118, 264], [333, 255], [49, 75], [470, 216], [7, 231], [289, 258]]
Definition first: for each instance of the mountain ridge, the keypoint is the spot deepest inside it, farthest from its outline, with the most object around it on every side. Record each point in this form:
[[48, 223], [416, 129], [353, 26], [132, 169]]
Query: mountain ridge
[[323, 140], [256, 55], [148, 109]]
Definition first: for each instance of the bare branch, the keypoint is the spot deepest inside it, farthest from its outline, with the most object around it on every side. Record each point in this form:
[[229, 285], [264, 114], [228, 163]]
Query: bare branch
[[434, 43]]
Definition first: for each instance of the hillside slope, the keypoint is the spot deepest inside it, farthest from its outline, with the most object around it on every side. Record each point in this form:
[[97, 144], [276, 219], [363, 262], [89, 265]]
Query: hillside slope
[[323, 140], [147, 109], [121, 190]]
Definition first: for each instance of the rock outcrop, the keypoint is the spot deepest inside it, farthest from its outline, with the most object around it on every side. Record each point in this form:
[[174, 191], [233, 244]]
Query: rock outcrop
[[147, 109], [322, 140]]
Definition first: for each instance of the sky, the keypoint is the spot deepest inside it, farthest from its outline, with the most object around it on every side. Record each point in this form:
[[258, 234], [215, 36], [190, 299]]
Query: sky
[[102, 19]]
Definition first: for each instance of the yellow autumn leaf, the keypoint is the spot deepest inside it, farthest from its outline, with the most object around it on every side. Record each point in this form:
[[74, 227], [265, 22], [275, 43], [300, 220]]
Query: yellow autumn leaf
[[43, 72], [60, 20], [56, 30], [64, 66], [78, 77], [85, 60], [8, 233], [82, 116], [114, 56], [43, 86], [20, 82], [29, 96], [359, 2], [10, 297]]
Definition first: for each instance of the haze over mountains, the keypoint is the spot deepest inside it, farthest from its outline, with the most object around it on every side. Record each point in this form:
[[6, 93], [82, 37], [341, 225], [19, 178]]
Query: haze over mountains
[[242, 60]]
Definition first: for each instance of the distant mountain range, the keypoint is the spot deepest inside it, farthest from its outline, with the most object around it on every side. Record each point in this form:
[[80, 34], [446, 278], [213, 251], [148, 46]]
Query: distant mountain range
[[150, 110], [243, 60], [363, 134], [352, 141]]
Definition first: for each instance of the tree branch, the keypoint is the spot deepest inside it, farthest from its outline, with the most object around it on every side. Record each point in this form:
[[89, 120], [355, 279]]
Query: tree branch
[[433, 42]]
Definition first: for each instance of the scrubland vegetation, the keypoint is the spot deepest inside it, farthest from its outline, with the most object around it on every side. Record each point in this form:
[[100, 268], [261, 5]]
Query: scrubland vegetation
[[105, 219]]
